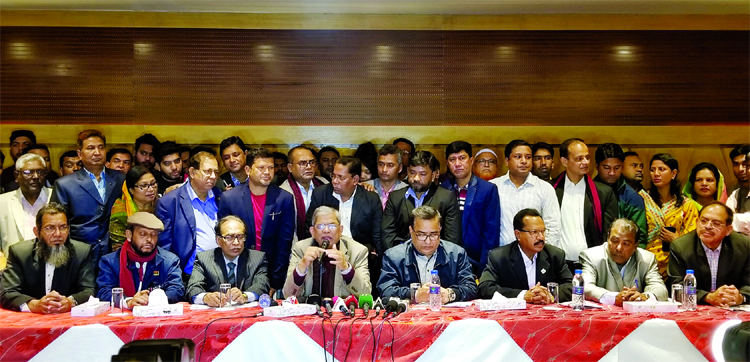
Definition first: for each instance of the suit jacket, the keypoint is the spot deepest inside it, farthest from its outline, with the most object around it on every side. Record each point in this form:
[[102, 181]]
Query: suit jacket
[[367, 214], [176, 212], [12, 227], [88, 214], [24, 277], [277, 230], [286, 187], [356, 254], [686, 252], [600, 273], [397, 215], [210, 271], [480, 220], [164, 272], [506, 272], [608, 203]]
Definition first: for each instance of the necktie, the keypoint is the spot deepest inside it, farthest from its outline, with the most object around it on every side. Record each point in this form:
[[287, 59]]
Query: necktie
[[231, 266]]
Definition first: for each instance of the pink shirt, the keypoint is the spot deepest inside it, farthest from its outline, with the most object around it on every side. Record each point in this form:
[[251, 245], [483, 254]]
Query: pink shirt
[[259, 205]]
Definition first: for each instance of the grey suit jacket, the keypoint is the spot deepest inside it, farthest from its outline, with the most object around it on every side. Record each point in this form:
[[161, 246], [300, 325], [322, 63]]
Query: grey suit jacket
[[24, 277], [209, 271], [600, 273]]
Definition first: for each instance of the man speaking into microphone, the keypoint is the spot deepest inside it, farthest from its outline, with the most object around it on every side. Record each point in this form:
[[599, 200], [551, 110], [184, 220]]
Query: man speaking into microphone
[[327, 264]]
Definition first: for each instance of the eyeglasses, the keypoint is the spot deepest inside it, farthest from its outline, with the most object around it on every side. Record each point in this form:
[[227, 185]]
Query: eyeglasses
[[31, 173], [303, 164], [234, 238], [534, 232], [331, 227], [424, 236], [210, 172], [486, 162], [144, 187], [51, 229], [715, 224]]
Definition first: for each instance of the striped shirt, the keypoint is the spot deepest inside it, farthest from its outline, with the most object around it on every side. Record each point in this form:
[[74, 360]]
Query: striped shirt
[[713, 262], [101, 186]]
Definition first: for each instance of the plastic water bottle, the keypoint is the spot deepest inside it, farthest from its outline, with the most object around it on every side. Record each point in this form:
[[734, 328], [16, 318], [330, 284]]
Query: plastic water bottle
[[436, 300], [691, 299], [577, 303]]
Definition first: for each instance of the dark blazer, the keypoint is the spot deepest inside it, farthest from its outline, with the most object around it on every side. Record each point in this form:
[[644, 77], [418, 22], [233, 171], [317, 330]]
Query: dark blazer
[[506, 272], [24, 277], [397, 215], [686, 252], [88, 215], [608, 202], [210, 271], [367, 214], [278, 226], [176, 212], [164, 271], [480, 220]]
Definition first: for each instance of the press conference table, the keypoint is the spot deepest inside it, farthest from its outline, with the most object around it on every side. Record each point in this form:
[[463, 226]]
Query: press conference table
[[540, 334]]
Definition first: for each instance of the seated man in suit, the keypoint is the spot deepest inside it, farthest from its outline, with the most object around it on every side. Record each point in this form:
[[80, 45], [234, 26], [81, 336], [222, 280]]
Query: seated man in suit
[[50, 274], [412, 262], [267, 210], [149, 266], [618, 271], [719, 256], [422, 176], [230, 263], [523, 268], [327, 264]]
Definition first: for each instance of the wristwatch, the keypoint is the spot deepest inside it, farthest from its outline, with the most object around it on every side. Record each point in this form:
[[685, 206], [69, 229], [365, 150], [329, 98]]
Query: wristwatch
[[73, 301], [745, 299], [451, 295]]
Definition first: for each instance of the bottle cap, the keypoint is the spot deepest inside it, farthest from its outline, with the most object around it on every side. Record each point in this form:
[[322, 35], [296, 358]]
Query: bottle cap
[[578, 271], [433, 272], [690, 271]]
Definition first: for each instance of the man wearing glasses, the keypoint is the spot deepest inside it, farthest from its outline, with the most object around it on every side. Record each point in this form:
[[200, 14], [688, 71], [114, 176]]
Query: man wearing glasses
[[327, 264], [18, 209], [301, 182], [523, 268], [412, 262], [230, 263], [485, 164]]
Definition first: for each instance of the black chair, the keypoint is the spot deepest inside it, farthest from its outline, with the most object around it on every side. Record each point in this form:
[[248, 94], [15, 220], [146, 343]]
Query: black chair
[[154, 350]]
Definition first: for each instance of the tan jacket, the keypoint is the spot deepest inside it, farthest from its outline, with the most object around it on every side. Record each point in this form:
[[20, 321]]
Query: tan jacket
[[600, 273], [356, 255]]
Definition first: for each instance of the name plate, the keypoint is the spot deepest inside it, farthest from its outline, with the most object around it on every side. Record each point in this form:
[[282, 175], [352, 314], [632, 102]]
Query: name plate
[[157, 311], [646, 307], [289, 310], [505, 304]]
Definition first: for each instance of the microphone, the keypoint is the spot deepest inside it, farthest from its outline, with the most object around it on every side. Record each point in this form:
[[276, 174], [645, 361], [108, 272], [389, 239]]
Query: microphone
[[324, 246], [328, 304], [315, 300], [401, 308], [378, 306], [339, 305], [352, 304], [365, 301], [391, 307]]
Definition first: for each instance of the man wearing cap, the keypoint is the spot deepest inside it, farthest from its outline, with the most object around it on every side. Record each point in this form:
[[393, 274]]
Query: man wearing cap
[[485, 164], [150, 266]]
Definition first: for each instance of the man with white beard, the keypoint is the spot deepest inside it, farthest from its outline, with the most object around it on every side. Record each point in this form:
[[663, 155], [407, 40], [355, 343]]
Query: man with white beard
[[50, 274]]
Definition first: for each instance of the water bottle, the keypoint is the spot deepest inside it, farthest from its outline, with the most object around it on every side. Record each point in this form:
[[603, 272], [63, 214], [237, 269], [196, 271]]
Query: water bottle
[[577, 303], [691, 299], [436, 300]]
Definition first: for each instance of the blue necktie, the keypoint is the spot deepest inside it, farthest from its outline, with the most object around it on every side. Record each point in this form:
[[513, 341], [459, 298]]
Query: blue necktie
[[231, 266]]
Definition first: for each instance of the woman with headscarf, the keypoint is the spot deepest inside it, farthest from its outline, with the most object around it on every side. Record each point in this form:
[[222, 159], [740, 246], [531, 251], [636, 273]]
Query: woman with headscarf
[[139, 194], [705, 184]]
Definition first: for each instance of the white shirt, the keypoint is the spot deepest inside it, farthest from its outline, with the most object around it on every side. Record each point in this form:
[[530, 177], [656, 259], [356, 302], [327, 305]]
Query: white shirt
[[573, 239], [306, 193], [741, 223], [345, 209], [530, 266], [30, 211], [533, 193]]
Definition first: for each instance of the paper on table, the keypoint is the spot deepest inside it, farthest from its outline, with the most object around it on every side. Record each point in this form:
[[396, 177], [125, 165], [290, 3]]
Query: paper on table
[[459, 304], [586, 305]]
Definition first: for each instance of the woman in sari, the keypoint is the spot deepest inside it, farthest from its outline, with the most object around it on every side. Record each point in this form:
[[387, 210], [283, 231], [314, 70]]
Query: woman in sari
[[138, 194], [668, 213], [705, 184]]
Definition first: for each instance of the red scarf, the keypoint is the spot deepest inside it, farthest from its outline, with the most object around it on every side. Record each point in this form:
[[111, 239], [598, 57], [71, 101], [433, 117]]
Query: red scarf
[[593, 195], [126, 277], [302, 233]]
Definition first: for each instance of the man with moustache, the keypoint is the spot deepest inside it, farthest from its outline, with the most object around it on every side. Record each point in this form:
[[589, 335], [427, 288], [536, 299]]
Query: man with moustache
[[485, 164], [389, 167], [424, 169], [20, 140], [50, 274], [619, 271], [326, 159], [523, 268], [147, 266], [43, 152], [739, 199], [587, 207], [90, 193], [719, 256], [232, 151], [119, 159], [280, 169], [168, 166], [632, 170], [267, 210], [145, 146], [70, 162], [543, 156], [231, 263], [301, 182], [18, 209], [327, 264], [478, 205]]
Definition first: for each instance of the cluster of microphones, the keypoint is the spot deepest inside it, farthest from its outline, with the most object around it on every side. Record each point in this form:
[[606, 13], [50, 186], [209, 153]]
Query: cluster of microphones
[[350, 305]]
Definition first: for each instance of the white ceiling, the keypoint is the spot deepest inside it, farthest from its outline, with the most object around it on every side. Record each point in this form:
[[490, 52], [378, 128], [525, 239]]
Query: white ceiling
[[397, 6]]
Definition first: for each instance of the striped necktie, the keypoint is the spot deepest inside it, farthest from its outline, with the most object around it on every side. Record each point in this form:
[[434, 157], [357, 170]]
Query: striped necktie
[[231, 266]]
